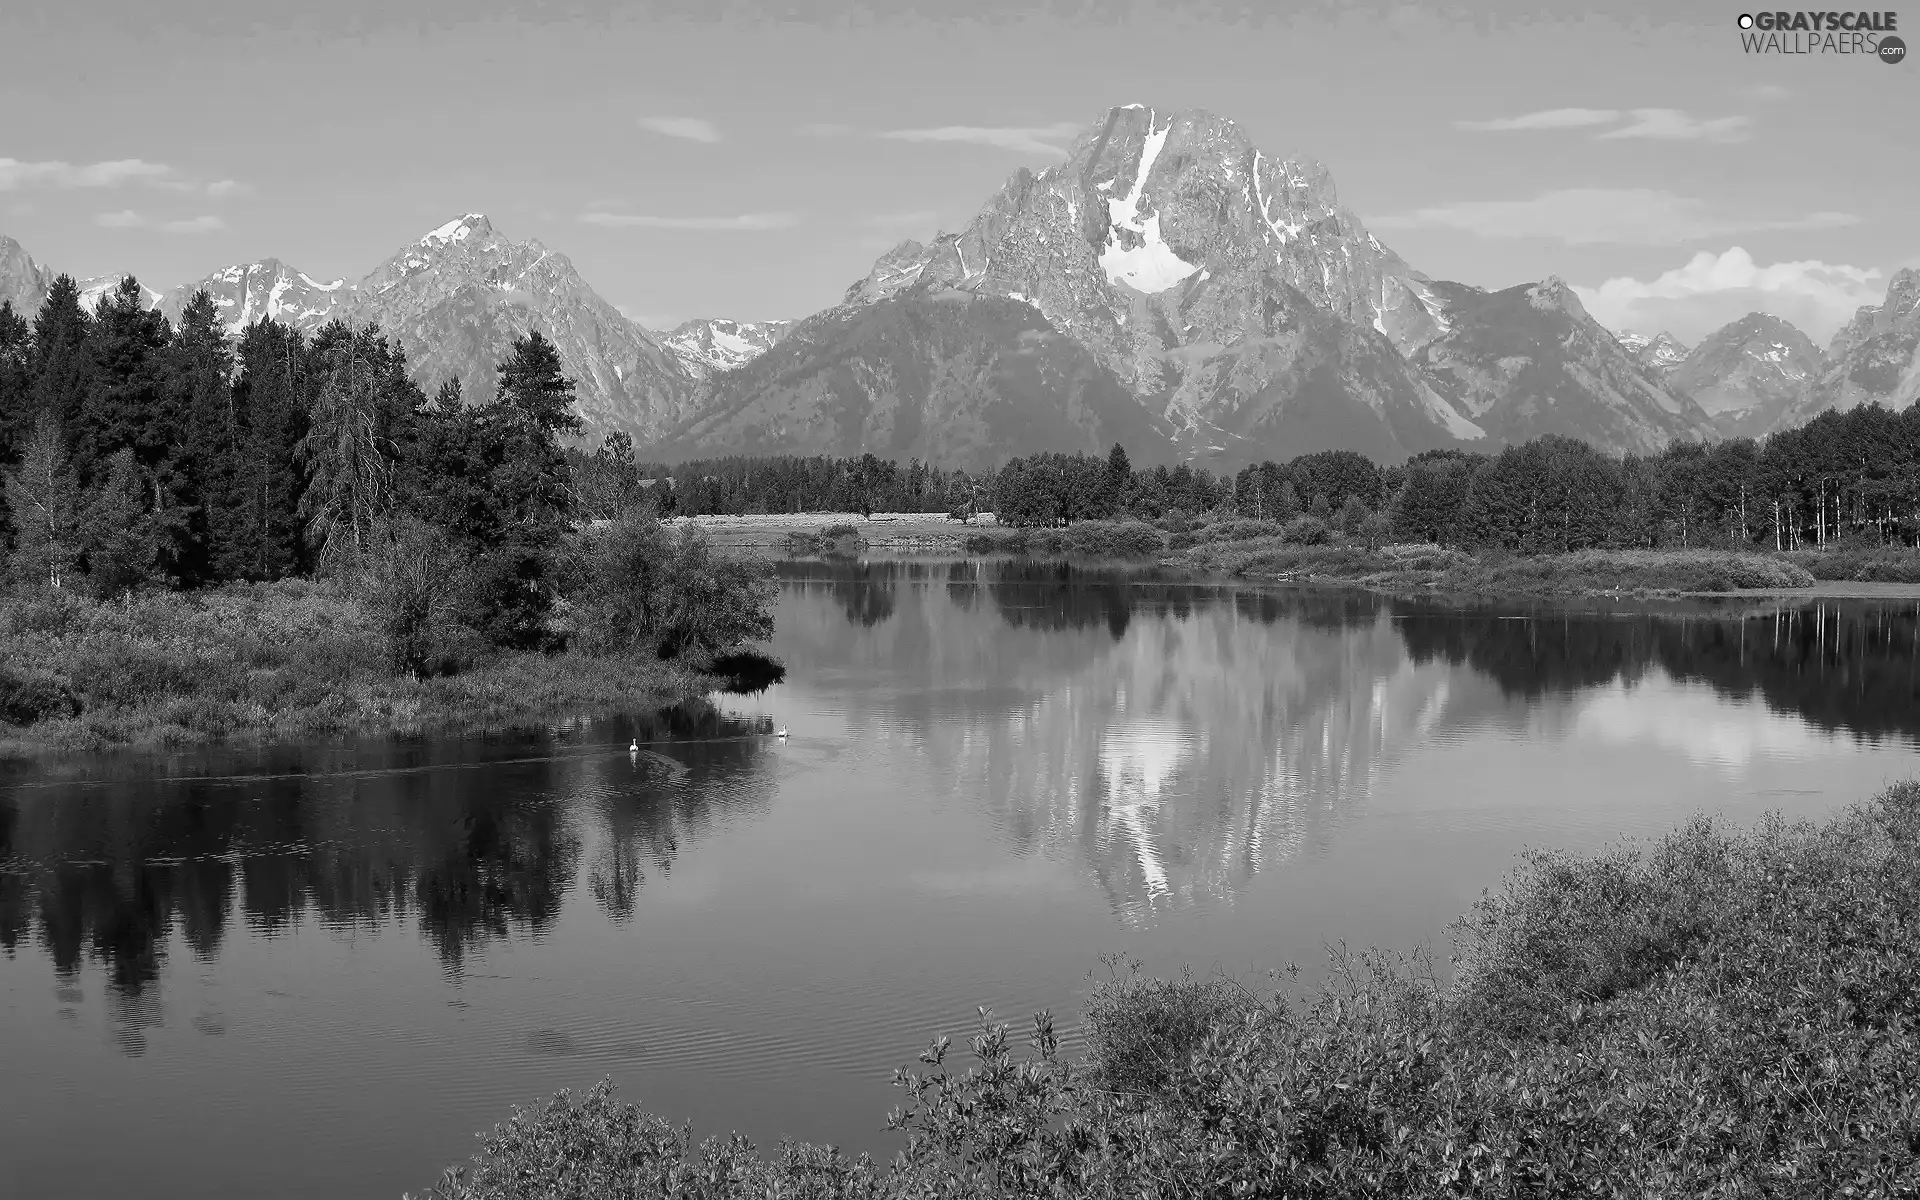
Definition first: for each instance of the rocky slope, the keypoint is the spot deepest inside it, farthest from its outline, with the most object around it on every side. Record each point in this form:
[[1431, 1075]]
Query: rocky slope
[[1528, 360], [1875, 358], [707, 345], [1745, 375], [269, 290], [458, 297], [940, 374], [23, 282], [1659, 353]]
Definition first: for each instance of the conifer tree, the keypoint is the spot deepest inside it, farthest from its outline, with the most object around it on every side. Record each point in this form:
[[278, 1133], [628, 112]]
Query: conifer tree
[[200, 372], [60, 365], [127, 405], [126, 540], [271, 396]]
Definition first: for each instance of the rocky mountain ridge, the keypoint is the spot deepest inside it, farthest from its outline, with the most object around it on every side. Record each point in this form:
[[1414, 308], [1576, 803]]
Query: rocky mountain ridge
[[1874, 358], [1747, 373]]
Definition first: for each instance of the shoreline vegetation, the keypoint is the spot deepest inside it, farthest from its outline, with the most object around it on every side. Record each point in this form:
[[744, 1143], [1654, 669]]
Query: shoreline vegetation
[[1307, 550], [1726, 1012]]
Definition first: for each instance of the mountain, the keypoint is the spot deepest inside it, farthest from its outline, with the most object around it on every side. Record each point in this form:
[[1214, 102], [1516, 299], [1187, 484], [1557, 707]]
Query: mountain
[[268, 289], [1875, 358], [94, 288], [940, 374], [709, 344], [458, 297], [1746, 374], [23, 282], [1659, 353], [1528, 360], [1228, 293]]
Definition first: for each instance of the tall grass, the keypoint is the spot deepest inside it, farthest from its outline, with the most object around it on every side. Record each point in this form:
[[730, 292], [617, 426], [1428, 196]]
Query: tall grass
[[287, 659], [1728, 1014], [1088, 539]]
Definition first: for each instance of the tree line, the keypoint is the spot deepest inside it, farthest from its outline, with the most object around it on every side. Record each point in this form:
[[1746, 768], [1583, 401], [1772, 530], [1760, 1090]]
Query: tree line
[[137, 452]]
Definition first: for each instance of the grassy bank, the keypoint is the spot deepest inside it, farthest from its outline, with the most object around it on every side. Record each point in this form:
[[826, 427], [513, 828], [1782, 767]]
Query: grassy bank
[[1730, 1013], [292, 659]]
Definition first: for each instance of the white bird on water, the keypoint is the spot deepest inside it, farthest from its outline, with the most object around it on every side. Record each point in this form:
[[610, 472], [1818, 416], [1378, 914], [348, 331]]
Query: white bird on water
[[635, 748], [781, 733]]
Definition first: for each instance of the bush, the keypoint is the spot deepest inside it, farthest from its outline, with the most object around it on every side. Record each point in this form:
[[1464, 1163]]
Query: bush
[[1627, 571], [650, 591], [411, 584], [1729, 1014], [29, 697], [1879, 564], [1306, 531], [840, 531]]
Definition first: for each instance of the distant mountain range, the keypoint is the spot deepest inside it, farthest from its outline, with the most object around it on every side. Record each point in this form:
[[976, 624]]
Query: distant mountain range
[[1168, 286]]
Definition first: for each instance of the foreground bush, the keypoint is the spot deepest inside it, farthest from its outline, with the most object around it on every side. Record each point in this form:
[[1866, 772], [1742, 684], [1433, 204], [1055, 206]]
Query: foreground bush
[[1729, 1014]]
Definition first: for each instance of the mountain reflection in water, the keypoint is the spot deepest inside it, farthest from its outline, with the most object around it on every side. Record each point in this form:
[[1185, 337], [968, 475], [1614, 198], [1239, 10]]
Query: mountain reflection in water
[[352, 956]]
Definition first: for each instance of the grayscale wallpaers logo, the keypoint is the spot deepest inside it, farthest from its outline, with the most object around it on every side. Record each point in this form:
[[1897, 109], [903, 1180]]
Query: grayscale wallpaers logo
[[1870, 34]]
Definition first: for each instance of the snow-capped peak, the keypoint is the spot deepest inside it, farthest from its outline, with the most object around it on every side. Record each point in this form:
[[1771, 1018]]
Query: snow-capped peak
[[456, 230]]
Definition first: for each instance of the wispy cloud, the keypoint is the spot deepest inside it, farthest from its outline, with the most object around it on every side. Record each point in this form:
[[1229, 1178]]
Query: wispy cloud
[[1551, 118], [17, 174], [1028, 139], [1602, 216], [1670, 124], [692, 129], [221, 189], [128, 219], [1710, 290], [743, 222], [1666, 124]]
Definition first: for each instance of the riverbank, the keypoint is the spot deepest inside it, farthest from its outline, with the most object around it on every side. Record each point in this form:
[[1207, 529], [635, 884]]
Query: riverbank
[[894, 533], [293, 659], [1729, 1011]]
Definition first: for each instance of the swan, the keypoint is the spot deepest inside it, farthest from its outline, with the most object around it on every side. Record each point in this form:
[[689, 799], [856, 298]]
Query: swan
[[635, 748], [781, 733]]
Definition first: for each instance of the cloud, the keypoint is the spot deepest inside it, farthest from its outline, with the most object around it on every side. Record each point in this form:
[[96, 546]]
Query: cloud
[[1693, 300], [16, 174], [745, 221], [221, 189], [825, 129], [1666, 124], [1034, 139], [1602, 216], [693, 129], [1670, 124], [128, 219], [1551, 118]]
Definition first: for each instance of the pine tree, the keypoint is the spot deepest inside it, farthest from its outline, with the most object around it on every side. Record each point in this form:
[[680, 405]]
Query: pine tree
[[45, 503], [201, 373], [16, 382], [126, 540], [128, 406], [534, 388], [60, 365]]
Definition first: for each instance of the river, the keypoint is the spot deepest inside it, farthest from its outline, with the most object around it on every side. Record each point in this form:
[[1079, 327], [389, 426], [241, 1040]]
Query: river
[[318, 971]]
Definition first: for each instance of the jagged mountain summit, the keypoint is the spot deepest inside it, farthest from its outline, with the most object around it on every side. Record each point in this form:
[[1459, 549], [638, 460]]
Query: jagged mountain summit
[[457, 298], [1528, 360], [1875, 358], [1746, 374], [23, 282], [264, 290], [1659, 353], [707, 345], [1228, 293]]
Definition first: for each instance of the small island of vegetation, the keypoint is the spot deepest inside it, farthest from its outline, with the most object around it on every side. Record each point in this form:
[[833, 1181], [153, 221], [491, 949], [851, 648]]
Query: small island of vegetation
[[295, 541]]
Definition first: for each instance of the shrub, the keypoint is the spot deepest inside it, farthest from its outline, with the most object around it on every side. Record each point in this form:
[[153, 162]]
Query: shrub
[[840, 531], [1306, 531], [648, 590], [411, 582], [29, 697]]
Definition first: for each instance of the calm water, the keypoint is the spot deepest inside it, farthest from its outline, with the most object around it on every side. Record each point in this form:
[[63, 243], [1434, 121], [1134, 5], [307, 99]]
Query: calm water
[[317, 971]]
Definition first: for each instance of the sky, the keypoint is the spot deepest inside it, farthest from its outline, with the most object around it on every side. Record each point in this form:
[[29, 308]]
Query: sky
[[750, 161]]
